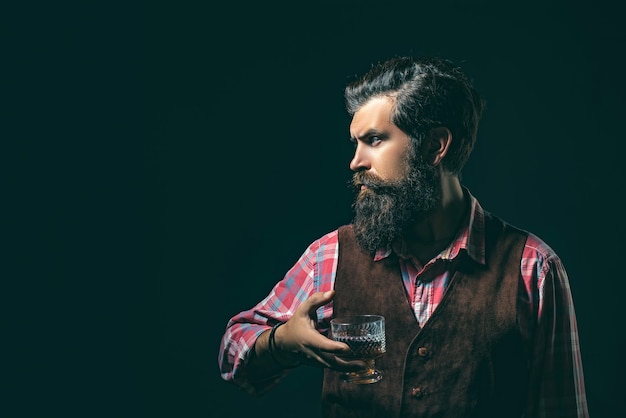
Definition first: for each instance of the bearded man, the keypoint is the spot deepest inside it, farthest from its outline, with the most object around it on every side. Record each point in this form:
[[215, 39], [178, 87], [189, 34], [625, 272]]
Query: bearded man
[[478, 313]]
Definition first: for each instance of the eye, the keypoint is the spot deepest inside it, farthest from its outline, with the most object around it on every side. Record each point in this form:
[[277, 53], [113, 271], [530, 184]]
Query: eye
[[371, 140], [374, 140]]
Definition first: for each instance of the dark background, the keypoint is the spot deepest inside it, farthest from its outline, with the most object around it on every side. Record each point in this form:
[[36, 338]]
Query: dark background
[[170, 162]]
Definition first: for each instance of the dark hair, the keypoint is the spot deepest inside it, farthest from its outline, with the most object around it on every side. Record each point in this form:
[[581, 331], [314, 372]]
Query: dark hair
[[428, 92]]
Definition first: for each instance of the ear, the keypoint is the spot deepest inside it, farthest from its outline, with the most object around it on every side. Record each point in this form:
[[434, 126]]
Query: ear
[[437, 145]]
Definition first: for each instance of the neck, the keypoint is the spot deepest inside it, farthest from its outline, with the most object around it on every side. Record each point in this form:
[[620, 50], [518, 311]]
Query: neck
[[434, 232]]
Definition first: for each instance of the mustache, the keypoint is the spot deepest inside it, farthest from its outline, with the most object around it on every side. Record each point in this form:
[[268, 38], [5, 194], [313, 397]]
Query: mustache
[[369, 180]]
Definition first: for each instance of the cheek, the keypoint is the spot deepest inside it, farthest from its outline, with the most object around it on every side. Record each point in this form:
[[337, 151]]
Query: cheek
[[393, 166]]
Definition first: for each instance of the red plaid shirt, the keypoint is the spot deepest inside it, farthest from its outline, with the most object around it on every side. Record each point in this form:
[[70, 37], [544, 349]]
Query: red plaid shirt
[[542, 272]]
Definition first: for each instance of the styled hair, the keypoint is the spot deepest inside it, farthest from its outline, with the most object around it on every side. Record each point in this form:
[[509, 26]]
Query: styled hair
[[428, 92]]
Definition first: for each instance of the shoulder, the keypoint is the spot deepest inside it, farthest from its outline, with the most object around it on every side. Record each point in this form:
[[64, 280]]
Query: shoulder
[[325, 244], [541, 259], [534, 246], [330, 238], [538, 246], [538, 257]]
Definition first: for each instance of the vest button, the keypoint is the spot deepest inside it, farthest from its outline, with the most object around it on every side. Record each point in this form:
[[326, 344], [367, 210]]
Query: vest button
[[417, 392], [423, 352]]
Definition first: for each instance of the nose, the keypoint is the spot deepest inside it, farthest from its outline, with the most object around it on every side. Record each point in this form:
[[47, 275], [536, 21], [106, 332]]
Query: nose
[[359, 161]]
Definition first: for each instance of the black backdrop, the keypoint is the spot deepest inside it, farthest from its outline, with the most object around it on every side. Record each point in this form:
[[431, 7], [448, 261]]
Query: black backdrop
[[185, 155]]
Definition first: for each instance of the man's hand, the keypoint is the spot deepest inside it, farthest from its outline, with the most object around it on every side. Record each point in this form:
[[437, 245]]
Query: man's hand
[[299, 336]]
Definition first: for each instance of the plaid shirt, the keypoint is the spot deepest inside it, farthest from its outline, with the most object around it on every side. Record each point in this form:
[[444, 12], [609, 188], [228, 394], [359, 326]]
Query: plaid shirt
[[548, 296]]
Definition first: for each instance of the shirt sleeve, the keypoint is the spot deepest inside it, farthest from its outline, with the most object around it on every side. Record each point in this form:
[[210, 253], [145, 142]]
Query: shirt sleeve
[[306, 276], [557, 386]]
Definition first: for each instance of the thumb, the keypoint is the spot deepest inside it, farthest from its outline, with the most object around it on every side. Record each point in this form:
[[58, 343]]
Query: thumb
[[318, 299]]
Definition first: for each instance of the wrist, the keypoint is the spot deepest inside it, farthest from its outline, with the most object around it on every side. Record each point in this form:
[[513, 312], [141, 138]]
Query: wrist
[[280, 357]]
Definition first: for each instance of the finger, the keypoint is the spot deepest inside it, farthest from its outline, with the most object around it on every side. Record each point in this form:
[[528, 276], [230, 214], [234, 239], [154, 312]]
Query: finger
[[333, 347], [338, 363], [350, 365], [317, 358], [318, 299]]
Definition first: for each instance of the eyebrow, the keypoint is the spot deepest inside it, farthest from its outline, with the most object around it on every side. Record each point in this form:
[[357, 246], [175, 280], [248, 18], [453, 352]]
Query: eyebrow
[[366, 134]]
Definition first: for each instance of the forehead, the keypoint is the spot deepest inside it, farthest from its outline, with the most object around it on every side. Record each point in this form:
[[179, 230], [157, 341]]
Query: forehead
[[373, 115]]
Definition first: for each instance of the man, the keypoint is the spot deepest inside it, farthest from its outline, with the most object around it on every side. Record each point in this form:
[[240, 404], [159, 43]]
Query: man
[[479, 315]]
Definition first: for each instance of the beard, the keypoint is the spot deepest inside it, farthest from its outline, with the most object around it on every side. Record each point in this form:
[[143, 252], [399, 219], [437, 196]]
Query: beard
[[386, 208]]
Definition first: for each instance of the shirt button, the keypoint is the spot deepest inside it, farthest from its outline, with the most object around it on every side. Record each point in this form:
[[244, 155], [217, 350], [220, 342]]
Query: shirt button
[[417, 392], [423, 352]]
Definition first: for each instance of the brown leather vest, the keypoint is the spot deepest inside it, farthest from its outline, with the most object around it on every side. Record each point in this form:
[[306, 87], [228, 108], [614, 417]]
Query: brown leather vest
[[470, 359]]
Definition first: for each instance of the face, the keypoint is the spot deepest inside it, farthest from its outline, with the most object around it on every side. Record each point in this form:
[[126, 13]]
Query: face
[[395, 185], [381, 147]]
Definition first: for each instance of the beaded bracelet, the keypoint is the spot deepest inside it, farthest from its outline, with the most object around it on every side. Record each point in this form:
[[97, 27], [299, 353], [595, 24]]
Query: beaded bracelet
[[272, 345]]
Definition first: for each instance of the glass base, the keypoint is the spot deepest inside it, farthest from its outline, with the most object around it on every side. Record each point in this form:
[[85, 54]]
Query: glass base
[[363, 378]]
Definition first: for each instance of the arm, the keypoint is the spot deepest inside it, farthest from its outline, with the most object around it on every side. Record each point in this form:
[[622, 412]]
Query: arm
[[244, 358], [556, 382], [295, 342]]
